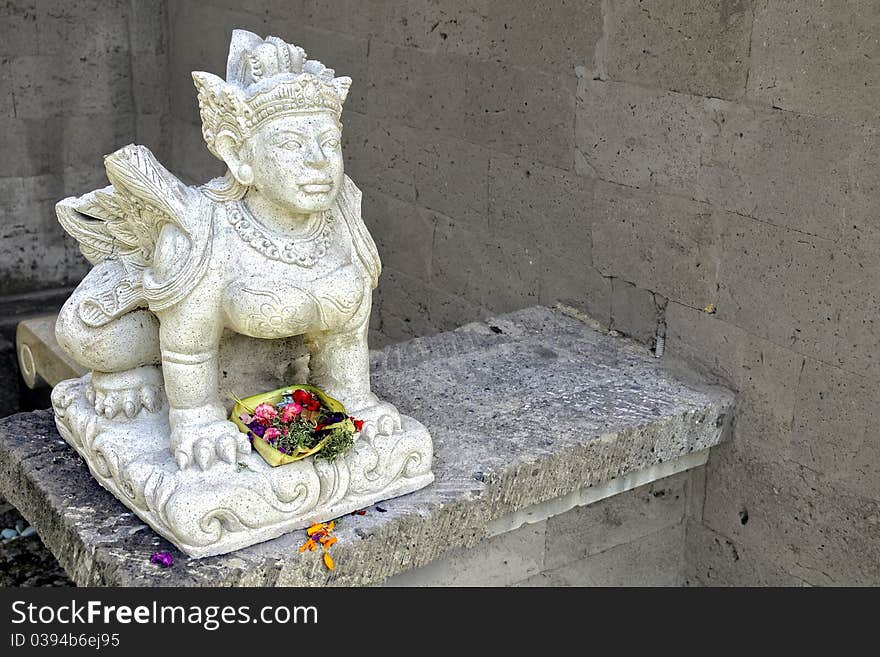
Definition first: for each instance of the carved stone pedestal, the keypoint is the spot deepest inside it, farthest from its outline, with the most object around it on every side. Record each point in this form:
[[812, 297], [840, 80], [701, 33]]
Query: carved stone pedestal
[[233, 506]]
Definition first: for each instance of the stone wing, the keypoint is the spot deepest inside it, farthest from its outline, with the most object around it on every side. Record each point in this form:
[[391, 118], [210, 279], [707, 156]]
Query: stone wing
[[123, 220]]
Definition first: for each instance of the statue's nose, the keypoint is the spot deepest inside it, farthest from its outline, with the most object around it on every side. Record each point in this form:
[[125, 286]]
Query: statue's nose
[[316, 158]]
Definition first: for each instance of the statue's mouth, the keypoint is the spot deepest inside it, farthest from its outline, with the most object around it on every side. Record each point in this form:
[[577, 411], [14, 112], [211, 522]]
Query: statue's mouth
[[317, 187]]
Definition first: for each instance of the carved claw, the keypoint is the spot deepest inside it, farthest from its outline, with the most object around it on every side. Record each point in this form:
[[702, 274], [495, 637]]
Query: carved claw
[[151, 399], [206, 444], [386, 425], [111, 398], [205, 454], [88, 389]]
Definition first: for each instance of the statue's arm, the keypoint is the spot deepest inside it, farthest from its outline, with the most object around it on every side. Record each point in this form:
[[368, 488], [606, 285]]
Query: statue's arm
[[189, 338]]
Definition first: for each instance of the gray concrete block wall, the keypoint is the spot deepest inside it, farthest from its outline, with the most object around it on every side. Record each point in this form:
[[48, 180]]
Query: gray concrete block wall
[[79, 79], [707, 166]]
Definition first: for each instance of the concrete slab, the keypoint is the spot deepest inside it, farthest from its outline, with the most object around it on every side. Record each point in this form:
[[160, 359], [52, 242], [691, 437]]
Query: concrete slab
[[524, 408]]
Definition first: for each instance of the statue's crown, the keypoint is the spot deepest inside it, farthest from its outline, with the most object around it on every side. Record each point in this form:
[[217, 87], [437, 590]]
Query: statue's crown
[[265, 78]]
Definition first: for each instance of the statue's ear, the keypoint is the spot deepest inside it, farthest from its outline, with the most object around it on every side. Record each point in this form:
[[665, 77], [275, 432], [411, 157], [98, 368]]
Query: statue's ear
[[236, 157]]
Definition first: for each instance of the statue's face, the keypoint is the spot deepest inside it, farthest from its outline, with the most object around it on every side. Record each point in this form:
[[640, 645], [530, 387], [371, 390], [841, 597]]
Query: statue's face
[[297, 161]]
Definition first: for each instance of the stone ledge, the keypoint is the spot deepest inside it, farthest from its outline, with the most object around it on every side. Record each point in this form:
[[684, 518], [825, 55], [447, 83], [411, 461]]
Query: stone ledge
[[524, 409]]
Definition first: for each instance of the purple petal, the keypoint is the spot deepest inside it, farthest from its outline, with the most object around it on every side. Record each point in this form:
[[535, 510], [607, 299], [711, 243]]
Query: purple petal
[[164, 559]]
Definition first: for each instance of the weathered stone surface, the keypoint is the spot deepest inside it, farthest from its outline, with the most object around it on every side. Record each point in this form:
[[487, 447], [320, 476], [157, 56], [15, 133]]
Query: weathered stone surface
[[694, 46], [634, 311], [18, 24], [655, 560], [813, 530], [783, 168], [439, 173], [764, 374], [574, 283], [500, 275], [499, 31], [568, 34], [404, 233], [639, 137], [713, 560], [611, 406], [520, 112], [409, 307], [588, 530], [835, 429], [192, 160], [661, 243], [25, 146], [533, 203], [502, 107], [802, 292], [500, 561], [818, 58], [803, 172]]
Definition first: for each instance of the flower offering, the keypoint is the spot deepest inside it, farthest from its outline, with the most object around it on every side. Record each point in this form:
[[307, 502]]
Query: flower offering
[[290, 424]]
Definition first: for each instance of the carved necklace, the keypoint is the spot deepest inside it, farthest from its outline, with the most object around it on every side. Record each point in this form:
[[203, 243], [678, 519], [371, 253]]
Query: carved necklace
[[304, 251]]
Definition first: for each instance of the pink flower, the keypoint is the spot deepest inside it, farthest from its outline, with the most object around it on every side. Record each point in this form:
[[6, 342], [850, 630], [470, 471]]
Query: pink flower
[[271, 434], [290, 411], [265, 413]]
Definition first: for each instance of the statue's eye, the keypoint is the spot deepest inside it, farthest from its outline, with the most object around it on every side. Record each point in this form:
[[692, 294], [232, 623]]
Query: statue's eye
[[333, 142], [292, 144]]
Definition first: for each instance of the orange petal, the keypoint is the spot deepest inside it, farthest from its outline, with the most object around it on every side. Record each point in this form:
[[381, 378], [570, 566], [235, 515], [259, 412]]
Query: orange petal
[[328, 561], [318, 526], [308, 545], [312, 546], [331, 525], [329, 542]]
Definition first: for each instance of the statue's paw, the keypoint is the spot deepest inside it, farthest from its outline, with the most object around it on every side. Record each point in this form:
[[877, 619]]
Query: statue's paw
[[113, 402], [65, 394], [206, 444], [380, 419], [124, 393]]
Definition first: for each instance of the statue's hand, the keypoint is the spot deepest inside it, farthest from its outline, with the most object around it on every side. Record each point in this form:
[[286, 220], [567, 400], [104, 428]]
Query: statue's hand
[[198, 438], [380, 418]]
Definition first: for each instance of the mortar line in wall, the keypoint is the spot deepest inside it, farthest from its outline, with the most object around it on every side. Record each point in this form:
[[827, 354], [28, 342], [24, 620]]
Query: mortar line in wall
[[805, 357], [746, 103], [749, 55], [674, 194]]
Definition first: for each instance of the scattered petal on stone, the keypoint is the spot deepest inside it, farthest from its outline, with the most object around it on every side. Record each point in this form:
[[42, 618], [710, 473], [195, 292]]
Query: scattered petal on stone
[[327, 542], [710, 309], [328, 561], [164, 559], [8, 533], [359, 512], [381, 510], [28, 531]]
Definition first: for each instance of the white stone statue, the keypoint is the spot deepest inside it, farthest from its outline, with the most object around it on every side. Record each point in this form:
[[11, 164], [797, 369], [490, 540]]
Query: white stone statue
[[261, 278]]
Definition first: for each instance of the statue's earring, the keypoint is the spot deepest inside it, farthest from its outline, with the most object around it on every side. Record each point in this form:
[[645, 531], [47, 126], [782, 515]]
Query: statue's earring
[[245, 175]]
